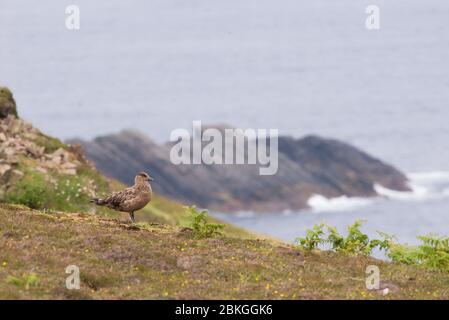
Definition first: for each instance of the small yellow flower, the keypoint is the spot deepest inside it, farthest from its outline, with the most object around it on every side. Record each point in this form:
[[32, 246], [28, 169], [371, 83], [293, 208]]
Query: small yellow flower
[[4, 264]]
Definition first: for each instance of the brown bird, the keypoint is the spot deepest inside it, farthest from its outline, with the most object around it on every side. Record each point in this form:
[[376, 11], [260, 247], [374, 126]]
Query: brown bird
[[130, 199]]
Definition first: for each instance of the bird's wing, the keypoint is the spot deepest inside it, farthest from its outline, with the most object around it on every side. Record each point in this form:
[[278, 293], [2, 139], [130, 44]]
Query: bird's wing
[[117, 199]]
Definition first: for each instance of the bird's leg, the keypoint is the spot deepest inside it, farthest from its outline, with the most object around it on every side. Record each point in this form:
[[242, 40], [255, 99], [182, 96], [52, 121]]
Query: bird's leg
[[131, 215]]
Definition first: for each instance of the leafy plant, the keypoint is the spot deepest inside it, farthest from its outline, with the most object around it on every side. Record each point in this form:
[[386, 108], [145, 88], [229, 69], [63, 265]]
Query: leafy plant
[[27, 280], [402, 253], [433, 252], [312, 239], [356, 242], [202, 228]]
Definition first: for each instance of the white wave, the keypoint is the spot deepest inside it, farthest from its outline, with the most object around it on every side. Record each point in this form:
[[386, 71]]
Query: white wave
[[319, 203], [424, 186]]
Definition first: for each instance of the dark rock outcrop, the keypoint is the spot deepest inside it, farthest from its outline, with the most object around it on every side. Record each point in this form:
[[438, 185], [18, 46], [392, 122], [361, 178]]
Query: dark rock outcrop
[[307, 166]]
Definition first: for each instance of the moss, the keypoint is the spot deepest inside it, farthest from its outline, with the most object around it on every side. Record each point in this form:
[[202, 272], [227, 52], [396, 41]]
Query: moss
[[50, 144], [7, 103]]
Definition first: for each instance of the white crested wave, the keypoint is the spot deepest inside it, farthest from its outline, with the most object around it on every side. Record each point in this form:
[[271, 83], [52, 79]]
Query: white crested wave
[[319, 203], [424, 186]]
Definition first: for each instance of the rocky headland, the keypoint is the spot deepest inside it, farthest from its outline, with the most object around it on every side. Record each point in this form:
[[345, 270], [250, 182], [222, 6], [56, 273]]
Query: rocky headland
[[307, 166]]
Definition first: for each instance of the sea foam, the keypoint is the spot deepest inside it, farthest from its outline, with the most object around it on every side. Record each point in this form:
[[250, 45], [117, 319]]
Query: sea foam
[[319, 203], [425, 186]]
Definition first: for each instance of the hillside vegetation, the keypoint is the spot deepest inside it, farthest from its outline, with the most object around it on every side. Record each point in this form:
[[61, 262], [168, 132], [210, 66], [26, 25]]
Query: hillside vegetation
[[158, 261]]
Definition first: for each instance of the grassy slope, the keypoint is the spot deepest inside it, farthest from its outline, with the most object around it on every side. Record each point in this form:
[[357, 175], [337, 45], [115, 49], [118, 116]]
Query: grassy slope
[[159, 261]]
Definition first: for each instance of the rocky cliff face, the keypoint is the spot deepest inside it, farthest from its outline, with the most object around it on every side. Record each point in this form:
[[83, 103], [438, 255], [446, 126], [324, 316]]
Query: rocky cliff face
[[41, 172], [307, 166], [33, 166], [19, 138]]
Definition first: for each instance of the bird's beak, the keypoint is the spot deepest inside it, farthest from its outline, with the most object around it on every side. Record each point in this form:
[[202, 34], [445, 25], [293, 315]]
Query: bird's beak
[[151, 179]]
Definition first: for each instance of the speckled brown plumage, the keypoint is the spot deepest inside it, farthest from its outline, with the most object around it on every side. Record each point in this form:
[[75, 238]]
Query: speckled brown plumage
[[130, 199]]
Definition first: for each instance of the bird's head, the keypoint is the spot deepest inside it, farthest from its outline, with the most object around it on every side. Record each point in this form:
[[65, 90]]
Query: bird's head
[[143, 177]]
